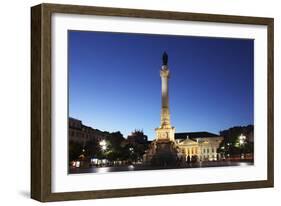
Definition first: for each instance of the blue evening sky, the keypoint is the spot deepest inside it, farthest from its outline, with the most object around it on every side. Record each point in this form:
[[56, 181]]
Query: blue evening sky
[[114, 81]]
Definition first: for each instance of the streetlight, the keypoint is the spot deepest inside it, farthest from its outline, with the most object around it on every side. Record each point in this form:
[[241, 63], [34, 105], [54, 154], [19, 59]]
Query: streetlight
[[228, 150], [103, 145], [241, 140]]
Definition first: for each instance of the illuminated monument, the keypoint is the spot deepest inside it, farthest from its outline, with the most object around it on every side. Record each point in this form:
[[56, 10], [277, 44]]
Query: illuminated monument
[[165, 133], [163, 150]]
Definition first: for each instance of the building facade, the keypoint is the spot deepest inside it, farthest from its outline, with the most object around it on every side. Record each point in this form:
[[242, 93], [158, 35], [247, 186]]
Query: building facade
[[198, 146], [79, 133]]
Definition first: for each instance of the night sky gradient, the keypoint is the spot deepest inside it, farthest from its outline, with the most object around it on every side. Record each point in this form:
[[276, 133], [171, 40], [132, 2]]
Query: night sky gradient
[[114, 81]]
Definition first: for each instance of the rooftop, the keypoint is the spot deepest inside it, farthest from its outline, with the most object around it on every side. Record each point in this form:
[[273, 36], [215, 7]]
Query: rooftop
[[184, 135]]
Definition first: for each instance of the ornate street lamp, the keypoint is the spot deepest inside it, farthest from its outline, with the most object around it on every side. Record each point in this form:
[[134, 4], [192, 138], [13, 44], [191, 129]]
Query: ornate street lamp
[[103, 145], [242, 142], [242, 139]]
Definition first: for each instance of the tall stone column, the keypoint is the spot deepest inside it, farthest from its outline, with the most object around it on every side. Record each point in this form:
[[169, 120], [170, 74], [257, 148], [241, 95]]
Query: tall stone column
[[165, 132], [165, 110], [163, 151]]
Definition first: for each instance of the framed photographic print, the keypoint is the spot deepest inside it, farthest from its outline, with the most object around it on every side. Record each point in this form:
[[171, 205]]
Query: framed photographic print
[[130, 102]]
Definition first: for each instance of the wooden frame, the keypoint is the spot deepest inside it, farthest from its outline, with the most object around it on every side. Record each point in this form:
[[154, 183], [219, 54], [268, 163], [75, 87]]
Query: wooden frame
[[41, 102]]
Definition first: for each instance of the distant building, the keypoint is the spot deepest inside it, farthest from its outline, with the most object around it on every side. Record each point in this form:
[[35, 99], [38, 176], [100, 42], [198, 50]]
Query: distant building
[[137, 137], [77, 132], [201, 146]]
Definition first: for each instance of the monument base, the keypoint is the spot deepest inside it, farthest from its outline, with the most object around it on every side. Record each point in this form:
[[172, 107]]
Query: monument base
[[162, 154]]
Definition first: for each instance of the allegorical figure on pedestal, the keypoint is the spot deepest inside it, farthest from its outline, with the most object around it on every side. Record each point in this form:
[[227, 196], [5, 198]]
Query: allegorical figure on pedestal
[[165, 58]]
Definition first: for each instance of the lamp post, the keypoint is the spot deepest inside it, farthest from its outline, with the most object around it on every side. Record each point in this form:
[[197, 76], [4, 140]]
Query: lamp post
[[228, 150], [131, 151], [103, 145], [241, 140]]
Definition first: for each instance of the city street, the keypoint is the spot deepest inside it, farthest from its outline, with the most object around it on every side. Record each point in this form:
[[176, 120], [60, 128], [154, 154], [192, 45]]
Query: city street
[[145, 167]]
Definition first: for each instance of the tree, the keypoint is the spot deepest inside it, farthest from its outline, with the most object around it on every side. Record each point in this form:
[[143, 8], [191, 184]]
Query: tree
[[231, 138], [75, 149], [92, 148], [115, 139], [114, 151]]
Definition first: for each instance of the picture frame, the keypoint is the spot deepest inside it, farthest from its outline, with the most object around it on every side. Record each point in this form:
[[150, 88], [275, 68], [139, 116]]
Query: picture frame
[[41, 101]]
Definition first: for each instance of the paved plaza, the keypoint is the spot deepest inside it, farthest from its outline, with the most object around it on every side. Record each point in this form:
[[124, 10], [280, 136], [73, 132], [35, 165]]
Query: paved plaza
[[146, 167]]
